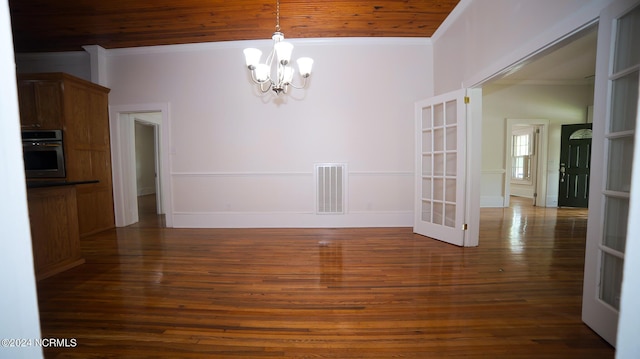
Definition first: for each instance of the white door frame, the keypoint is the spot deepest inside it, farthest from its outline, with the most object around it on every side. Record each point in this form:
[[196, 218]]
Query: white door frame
[[123, 161], [542, 151], [474, 165]]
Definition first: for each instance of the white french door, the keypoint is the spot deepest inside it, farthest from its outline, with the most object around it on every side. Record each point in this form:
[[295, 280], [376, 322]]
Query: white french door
[[614, 129], [440, 167]]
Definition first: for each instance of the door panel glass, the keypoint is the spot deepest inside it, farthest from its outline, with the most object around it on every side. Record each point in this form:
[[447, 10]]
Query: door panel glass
[[426, 118], [615, 223], [624, 103], [438, 139], [426, 188], [452, 115], [426, 211], [627, 52], [450, 190], [438, 189], [438, 164], [452, 143], [619, 164], [437, 213], [581, 134], [451, 164], [450, 215], [427, 141], [611, 280], [427, 169], [438, 115]]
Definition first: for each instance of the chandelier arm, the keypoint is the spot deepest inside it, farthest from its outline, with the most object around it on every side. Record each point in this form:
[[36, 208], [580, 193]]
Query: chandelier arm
[[304, 84], [253, 77], [263, 89], [280, 71]]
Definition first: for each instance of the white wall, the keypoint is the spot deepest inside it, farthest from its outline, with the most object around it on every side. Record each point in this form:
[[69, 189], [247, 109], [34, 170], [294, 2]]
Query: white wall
[[560, 104], [483, 37], [18, 301], [239, 160], [76, 63]]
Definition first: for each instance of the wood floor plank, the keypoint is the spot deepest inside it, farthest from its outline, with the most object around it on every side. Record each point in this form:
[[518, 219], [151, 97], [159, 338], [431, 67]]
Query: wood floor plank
[[150, 292]]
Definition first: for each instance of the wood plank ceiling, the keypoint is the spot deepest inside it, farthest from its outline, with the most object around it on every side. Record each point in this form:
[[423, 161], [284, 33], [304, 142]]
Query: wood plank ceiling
[[67, 25]]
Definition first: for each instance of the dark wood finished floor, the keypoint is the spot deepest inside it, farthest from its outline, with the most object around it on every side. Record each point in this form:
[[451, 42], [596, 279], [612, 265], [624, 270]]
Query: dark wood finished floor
[[149, 292]]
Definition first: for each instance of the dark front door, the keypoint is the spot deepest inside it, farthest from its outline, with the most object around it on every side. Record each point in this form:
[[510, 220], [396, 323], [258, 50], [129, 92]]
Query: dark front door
[[575, 156]]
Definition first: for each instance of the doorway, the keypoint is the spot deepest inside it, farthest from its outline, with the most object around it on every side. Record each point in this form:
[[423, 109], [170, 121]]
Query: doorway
[[526, 160], [533, 93], [123, 152], [147, 164]]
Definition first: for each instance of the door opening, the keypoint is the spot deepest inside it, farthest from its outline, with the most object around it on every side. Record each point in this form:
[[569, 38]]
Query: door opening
[[526, 160], [147, 179], [123, 153]]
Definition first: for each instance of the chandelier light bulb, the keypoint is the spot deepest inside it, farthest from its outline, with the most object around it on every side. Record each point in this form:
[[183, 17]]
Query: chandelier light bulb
[[304, 66], [262, 73], [252, 57], [283, 51]]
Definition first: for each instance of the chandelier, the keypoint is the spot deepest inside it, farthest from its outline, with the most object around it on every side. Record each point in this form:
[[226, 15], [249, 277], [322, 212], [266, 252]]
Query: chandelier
[[277, 75]]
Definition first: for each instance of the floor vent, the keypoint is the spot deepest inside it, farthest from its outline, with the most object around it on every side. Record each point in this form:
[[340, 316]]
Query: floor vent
[[330, 188]]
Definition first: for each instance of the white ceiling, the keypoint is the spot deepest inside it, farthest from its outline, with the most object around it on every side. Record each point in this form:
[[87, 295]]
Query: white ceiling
[[572, 61]]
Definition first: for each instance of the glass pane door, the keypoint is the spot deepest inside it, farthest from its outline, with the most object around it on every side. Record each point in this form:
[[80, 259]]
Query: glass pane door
[[617, 83], [440, 126], [619, 142]]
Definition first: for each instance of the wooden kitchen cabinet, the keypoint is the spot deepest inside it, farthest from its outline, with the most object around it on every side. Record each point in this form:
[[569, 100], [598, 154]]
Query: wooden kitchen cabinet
[[40, 104], [54, 230], [80, 109]]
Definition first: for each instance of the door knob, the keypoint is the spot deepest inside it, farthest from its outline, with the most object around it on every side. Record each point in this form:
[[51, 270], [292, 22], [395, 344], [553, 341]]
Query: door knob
[[563, 170]]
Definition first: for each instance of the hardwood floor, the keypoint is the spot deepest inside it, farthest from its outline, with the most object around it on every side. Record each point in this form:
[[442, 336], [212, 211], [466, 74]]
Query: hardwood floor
[[149, 292]]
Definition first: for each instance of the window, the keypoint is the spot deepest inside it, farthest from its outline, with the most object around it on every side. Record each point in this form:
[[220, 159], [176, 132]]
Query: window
[[521, 153]]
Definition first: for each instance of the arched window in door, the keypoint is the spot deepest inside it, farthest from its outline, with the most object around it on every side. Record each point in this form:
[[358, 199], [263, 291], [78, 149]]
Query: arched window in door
[[582, 134]]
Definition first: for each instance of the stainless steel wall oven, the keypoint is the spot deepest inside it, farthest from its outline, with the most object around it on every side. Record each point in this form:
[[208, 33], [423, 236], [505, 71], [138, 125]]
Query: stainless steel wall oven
[[43, 153]]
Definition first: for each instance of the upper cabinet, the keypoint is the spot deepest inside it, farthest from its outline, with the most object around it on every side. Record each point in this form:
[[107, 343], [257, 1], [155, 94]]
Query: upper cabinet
[[40, 104]]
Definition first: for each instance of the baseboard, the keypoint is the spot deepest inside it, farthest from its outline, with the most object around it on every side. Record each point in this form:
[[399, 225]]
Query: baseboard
[[291, 220]]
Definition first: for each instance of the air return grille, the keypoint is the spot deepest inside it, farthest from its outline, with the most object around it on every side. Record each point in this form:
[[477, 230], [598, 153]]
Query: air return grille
[[330, 188]]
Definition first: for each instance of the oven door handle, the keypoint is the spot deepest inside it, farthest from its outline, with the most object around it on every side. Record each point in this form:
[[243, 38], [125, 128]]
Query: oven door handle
[[41, 144]]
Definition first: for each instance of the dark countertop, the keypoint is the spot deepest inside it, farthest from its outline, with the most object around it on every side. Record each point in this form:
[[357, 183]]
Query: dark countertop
[[56, 183]]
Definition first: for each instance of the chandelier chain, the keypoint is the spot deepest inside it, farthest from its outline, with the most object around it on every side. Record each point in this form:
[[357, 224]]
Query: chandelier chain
[[278, 15]]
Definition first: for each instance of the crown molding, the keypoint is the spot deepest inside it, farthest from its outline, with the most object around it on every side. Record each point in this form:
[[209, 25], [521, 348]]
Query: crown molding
[[333, 41]]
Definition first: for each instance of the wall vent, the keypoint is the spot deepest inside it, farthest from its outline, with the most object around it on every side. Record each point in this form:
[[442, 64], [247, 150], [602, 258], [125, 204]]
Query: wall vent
[[330, 188]]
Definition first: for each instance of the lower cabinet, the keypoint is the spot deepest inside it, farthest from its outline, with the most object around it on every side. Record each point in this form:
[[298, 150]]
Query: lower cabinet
[[53, 213]]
